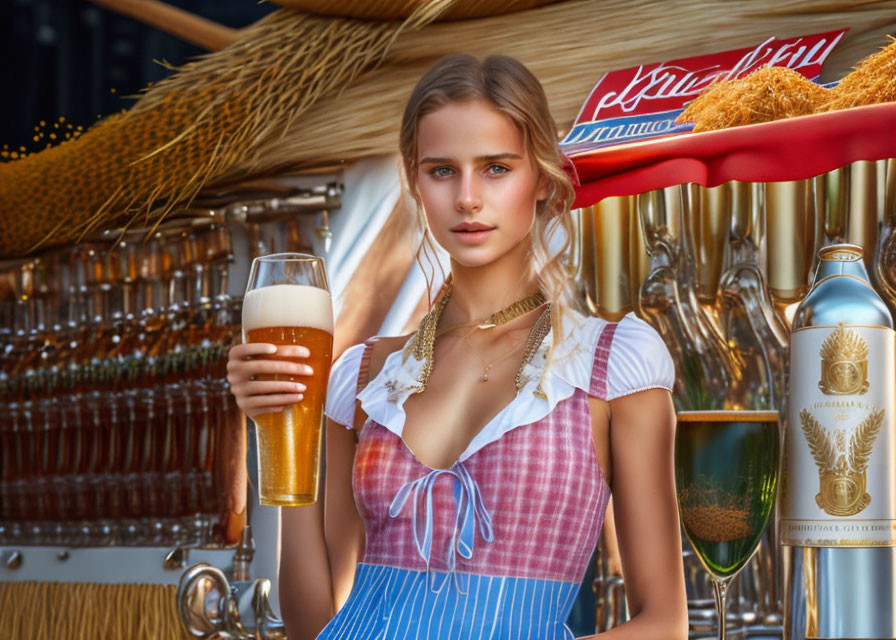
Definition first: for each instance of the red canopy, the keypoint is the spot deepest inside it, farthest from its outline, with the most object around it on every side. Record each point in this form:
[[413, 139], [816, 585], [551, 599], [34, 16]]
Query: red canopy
[[792, 149]]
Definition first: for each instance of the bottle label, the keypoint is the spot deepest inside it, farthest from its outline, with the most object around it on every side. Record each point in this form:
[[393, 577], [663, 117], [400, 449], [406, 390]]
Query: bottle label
[[839, 486]]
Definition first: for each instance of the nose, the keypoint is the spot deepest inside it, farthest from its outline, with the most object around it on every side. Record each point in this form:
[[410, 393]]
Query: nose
[[468, 198]]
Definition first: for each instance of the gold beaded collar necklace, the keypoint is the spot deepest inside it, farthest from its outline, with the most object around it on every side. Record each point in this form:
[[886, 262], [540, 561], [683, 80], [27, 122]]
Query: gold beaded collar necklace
[[513, 310], [422, 345]]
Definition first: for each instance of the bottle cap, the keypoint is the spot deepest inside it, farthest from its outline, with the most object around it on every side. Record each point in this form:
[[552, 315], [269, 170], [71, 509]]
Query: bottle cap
[[841, 253]]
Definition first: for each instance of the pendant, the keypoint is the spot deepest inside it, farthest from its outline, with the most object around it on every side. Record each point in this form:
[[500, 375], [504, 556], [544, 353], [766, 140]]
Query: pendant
[[485, 373]]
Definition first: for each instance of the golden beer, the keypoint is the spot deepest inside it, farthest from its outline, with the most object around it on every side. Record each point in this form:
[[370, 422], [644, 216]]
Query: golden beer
[[289, 442]]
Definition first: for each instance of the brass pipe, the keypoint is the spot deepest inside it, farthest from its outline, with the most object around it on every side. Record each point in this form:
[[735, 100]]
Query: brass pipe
[[639, 260], [881, 166], [586, 260], [833, 205], [889, 214], [741, 206], [884, 271], [864, 209], [809, 584], [708, 228], [788, 223], [672, 213], [611, 225]]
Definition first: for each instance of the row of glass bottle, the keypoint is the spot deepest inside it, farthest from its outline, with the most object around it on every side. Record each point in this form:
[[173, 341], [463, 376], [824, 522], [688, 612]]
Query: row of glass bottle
[[113, 403]]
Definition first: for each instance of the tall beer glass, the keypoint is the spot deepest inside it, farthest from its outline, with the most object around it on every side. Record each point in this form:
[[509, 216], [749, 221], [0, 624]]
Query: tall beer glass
[[288, 303]]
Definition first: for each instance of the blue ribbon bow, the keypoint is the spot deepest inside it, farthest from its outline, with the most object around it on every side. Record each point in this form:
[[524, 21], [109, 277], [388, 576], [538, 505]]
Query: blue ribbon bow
[[469, 509]]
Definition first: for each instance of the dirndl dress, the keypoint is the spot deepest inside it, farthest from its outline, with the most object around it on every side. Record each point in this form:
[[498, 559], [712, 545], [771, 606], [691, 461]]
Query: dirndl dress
[[495, 546]]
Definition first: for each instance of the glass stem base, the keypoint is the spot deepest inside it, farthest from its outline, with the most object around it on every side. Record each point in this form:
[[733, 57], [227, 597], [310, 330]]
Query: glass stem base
[[720, 592]]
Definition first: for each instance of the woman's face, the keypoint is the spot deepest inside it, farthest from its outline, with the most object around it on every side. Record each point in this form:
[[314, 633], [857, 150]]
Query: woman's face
[[477, 181]]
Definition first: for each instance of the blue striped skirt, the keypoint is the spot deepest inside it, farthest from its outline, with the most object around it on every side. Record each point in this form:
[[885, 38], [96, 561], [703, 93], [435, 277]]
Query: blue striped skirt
[[387, 603]]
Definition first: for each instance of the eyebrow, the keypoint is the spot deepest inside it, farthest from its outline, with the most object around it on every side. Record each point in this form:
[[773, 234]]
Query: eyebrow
[[486, 158]]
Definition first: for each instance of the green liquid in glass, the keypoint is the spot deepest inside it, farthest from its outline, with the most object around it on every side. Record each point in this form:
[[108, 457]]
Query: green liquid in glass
[[726, 475]]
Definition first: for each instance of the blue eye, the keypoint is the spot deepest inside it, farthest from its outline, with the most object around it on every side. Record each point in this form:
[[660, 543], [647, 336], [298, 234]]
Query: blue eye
[[497, 169], [441, 172]]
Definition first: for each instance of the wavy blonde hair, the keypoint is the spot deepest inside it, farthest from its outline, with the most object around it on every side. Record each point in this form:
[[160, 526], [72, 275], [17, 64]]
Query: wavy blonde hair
[[508, 86]]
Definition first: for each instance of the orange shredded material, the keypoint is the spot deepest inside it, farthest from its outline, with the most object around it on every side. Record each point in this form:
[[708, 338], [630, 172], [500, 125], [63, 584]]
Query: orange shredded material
[[872, 81], [769, 93]]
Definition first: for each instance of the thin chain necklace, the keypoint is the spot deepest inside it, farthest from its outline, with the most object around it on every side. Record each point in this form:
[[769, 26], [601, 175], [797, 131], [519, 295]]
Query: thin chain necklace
[[422, 345], [487, 366]]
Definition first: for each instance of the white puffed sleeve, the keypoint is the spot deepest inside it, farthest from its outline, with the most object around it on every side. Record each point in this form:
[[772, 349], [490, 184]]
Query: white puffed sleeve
[[638, 359], [343, 386]]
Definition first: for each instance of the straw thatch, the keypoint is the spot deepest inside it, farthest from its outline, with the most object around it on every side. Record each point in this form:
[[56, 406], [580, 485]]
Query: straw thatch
[[401, 9], [299, 91], [583, 44], [773, 93], [192, 127], [86, 611], [873, 81], [769, 93]]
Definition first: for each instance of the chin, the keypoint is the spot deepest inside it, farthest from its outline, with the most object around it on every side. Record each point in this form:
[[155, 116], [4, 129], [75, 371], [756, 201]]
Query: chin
[[475, 259], [480, 254]]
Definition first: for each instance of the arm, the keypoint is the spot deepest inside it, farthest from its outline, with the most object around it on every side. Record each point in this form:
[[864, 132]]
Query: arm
[[611, 542], [344, 529], [306, 584], [641, 451], [321, 545]]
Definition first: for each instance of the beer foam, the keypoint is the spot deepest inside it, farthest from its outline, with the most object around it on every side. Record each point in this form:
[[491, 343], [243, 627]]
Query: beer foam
[[288, 305]]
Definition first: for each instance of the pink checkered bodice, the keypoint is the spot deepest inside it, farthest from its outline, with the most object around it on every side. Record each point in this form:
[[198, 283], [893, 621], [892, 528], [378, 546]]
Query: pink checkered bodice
[[496, 545], [531, 503]]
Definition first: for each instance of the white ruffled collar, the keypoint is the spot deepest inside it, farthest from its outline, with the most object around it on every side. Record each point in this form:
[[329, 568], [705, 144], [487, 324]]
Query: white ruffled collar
[[383, 398]]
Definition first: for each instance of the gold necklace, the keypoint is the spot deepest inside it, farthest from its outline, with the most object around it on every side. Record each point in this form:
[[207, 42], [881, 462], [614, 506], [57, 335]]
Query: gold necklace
[[499, 317], [513, 310], [422, 345], [537, 334], [487, 366]]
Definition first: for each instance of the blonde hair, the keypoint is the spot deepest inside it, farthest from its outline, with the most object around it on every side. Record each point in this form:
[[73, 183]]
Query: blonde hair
[[508, 86]]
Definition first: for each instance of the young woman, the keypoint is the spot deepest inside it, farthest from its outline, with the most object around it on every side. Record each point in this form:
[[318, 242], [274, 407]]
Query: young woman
[[469, 465]]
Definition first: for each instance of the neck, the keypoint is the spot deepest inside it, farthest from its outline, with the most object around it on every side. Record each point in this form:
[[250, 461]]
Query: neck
[[477, 292]]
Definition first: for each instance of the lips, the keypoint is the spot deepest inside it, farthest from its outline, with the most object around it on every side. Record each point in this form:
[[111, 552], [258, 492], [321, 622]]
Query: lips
[[472, 233], [471, 227]]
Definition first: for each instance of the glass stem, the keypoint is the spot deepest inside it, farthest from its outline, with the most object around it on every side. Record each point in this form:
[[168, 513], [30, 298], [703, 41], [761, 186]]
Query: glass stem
[[720, 591]]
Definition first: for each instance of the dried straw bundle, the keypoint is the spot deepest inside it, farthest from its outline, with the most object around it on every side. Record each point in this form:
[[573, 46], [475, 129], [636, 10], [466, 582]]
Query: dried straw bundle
[[873, 81], [769, 93], [86, 611], [299, 91], [400, 9], [190, 128], [583, 43]]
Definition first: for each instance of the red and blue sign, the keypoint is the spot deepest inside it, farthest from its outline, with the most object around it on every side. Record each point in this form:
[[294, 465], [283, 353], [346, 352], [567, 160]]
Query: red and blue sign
[[643, 102]]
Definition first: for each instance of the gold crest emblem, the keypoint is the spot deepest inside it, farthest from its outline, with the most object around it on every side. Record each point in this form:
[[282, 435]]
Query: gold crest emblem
[[842, 462], [844, 363]]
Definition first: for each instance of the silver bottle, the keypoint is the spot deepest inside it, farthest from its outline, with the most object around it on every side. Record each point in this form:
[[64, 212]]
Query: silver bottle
[[838, 501]]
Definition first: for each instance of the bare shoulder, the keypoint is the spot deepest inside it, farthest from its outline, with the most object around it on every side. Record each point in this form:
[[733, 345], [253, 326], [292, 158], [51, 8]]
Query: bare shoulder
[[382, 349]]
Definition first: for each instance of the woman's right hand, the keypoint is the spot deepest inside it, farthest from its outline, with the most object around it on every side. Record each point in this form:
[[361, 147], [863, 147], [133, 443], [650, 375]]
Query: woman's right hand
[[251, 369]]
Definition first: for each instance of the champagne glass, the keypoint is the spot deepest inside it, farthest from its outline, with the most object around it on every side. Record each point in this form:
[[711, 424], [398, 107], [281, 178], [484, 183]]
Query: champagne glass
[[288, 302], [726, 476]]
